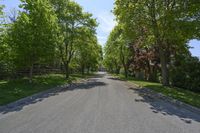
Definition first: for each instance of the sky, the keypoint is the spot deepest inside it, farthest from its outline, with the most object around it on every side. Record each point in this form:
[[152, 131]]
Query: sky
[[101, 10]]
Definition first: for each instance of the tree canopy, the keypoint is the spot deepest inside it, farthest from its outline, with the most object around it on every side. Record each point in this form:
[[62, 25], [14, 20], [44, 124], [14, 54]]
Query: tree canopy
[[157, 33], [49, 34]]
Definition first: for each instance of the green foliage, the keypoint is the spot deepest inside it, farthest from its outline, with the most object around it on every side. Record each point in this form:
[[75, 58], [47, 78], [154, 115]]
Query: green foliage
[[5, 51], [88, 55], [33, 37], [75, 25], [117, 52], [48, 34], [165, 25], [35, 32], [185, 73]]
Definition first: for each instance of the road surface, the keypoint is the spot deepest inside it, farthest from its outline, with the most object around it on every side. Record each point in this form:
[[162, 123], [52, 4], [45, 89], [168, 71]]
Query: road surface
[[102, 105]]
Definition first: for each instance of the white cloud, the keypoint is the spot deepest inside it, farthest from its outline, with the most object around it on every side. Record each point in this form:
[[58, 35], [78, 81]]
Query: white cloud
[[107, 22], [102, 39], [102, 42]]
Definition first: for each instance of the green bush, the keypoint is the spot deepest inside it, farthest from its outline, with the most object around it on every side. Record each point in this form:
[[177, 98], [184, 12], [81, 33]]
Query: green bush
[[186, 73]]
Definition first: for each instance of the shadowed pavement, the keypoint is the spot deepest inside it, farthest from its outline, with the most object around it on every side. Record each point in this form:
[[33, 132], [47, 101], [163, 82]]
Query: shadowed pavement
[[101, 105]]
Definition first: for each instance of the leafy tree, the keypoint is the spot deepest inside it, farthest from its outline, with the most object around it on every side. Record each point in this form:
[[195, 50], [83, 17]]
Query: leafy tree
[[144, 62], [72, 19], [185, 72], [2, 43], [49, 34], [117, 50], [167, 25], [6, 64], [88, 56], [34, 34], [2, 29]]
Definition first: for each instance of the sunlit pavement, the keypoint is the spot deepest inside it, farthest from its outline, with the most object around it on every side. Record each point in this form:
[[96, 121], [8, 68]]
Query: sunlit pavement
[[102, 105]]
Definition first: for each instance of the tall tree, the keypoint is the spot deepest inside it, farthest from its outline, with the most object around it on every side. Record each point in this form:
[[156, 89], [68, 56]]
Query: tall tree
[[117, 50], [34, 34], [88, 57], [2, 29], [71, 20], [167, 25]]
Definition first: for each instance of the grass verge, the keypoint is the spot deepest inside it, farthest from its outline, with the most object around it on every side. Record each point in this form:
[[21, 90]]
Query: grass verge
[[183, 95], [14, 90]]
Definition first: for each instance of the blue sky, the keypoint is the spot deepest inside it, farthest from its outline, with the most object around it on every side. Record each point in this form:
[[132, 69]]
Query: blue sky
[[101, 9]]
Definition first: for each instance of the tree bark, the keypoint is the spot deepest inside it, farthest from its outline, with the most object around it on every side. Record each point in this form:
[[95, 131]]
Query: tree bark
[[164, 69], [88, 70], [31, 74], [117, 70], [67, 70], [83, 70], [153, 74], [125, 71]]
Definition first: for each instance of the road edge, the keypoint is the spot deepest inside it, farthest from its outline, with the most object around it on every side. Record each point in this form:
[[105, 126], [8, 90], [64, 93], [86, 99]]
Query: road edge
[[27, 99], [161, 96]]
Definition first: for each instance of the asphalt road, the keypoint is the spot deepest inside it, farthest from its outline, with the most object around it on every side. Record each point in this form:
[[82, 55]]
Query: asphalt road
[[102, 105]]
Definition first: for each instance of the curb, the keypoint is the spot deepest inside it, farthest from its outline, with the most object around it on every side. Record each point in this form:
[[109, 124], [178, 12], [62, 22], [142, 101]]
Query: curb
[[178, 103], [28, 99]]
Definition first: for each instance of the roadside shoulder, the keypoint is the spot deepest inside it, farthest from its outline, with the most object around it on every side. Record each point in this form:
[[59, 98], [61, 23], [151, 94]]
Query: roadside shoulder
[[36, 97], [153, 94]]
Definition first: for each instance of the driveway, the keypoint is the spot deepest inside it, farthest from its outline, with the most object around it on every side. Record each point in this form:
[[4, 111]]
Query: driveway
[[101, 105]]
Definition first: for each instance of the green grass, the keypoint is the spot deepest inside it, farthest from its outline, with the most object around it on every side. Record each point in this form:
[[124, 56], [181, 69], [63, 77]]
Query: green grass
[[13, 90], [183, 95]]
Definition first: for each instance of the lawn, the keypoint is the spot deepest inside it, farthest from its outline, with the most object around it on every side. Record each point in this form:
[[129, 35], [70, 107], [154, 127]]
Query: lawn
[[13, 90], [183, 95]]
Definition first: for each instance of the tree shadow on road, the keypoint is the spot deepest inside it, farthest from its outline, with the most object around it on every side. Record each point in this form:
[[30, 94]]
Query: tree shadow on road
[[165, 108], [19, 105], [117, 79]]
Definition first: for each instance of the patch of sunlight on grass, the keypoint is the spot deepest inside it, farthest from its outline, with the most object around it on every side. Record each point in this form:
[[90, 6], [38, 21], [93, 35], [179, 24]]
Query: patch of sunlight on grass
[[3, 82]]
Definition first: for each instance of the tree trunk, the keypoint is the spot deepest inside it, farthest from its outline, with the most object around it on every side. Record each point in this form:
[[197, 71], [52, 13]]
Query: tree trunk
[[67, 70], [83, 70], [125, 71], [88, 70], [31, 74], [117, 70], [164, 69], [153, 74]]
